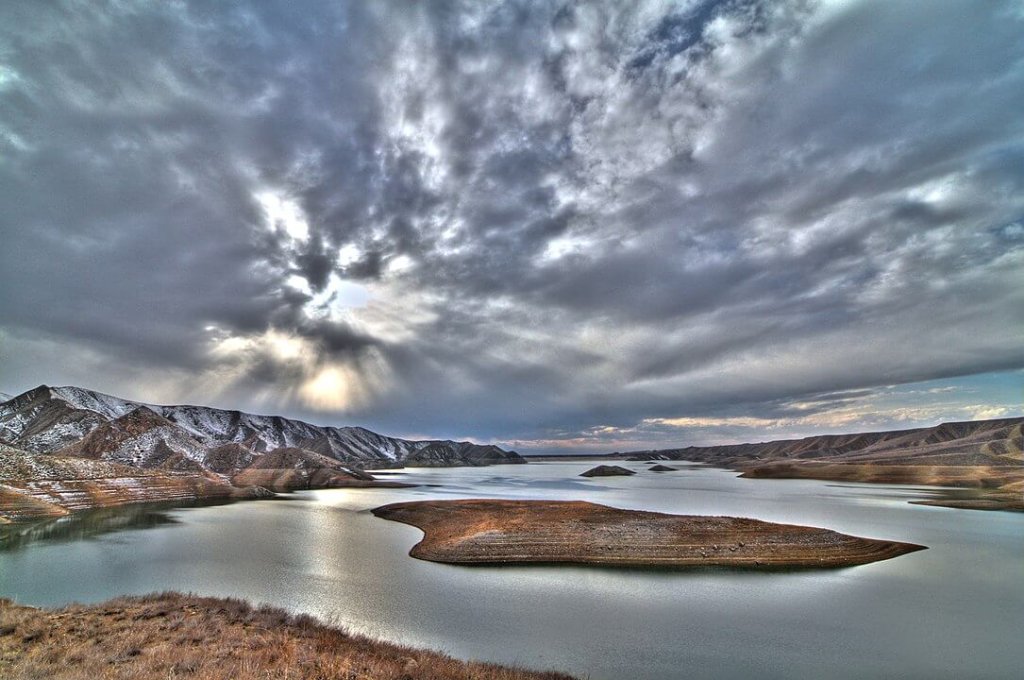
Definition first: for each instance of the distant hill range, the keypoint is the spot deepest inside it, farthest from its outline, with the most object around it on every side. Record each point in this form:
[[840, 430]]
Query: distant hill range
[[74, 448], [979, 442], [984, 457]]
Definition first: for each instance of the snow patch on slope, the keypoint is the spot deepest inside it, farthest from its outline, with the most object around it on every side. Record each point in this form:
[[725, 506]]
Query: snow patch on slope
[[142, 450], [60, 434], [104, 404]]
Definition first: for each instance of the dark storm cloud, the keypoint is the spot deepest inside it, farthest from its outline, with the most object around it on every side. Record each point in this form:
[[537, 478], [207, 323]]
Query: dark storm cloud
[[515, 219], [315, 264]]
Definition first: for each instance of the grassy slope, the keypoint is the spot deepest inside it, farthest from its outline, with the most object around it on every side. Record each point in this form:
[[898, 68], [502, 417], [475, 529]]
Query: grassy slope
[[180, 636]]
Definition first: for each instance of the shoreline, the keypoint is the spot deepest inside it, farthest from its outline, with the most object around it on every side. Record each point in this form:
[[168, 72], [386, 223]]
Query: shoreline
[[24, 503]]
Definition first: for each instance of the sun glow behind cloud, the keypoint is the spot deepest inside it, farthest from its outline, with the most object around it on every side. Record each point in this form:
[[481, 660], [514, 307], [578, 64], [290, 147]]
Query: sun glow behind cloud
[[322, 383], [330, 389]]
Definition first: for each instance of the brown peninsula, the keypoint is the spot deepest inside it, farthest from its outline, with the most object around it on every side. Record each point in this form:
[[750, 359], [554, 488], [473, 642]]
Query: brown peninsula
[[553, 532]]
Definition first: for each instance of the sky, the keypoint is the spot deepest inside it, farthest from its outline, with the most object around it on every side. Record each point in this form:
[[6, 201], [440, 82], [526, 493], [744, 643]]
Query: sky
[[556, 226]]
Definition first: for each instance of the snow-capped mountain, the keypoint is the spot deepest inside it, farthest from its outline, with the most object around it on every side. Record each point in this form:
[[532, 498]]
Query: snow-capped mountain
[[42, 420], [77, 421]]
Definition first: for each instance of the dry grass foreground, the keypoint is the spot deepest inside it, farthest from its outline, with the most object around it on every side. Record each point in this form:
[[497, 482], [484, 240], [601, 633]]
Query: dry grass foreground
[[552, 532], [181, 636]]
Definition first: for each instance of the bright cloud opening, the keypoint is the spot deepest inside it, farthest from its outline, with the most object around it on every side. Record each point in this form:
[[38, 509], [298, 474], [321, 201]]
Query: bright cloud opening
[[284, 213]]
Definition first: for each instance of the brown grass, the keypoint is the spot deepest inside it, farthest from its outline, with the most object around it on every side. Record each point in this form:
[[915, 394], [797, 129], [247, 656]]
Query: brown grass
[[171, 635]]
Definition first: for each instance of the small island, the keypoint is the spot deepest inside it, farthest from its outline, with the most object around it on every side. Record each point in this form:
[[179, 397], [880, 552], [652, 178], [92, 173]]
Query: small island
[[662, 468], [501, 532], [607, 471]]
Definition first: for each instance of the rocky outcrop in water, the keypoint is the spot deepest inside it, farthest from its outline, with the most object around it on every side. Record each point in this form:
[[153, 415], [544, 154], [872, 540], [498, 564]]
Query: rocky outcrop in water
[[607, 471]]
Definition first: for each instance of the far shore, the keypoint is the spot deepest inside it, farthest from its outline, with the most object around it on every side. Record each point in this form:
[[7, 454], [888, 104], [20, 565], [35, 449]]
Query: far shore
[[966, 487]]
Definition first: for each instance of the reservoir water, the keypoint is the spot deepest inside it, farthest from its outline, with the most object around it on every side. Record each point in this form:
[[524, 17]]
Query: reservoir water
[[955, 610]]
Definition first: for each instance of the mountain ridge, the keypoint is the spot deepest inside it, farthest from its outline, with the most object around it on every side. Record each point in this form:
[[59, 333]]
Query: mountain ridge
[[64, 449], [33, 421]]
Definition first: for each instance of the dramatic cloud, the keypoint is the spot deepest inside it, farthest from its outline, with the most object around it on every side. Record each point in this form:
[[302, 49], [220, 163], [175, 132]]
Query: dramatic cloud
[[552, 224]]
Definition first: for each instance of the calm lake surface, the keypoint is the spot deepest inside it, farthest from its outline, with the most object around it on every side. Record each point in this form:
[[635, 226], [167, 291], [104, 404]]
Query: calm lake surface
[[955, 610]]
